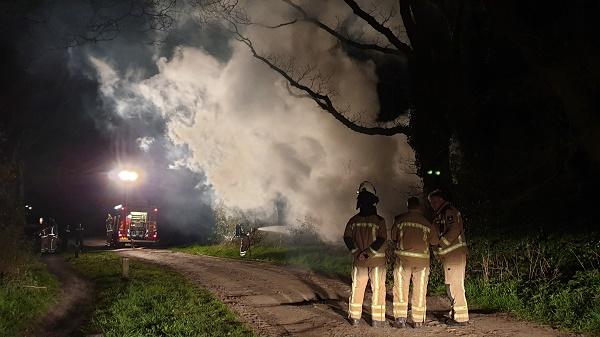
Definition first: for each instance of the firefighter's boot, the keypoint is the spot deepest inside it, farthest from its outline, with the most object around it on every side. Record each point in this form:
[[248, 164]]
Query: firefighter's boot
[[354, 322], [400, 323]]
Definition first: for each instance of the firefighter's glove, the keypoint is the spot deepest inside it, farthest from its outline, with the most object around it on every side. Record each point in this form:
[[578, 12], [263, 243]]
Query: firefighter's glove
[[363, 256]]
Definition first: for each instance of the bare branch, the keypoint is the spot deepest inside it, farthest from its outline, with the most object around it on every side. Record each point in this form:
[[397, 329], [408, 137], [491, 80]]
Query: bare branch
[[279, 25], [100, 26], [322, 100], [339, 36], [385, 31]]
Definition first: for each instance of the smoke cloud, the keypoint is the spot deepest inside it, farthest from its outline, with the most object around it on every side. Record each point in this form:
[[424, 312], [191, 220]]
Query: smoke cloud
[[259, 147]]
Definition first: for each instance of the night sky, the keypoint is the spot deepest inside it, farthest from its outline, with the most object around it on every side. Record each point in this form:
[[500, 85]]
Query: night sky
[[70, 142]]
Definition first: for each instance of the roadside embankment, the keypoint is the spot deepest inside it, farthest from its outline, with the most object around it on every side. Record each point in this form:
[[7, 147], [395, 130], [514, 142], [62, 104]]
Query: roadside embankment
[[153, 301], [25, 295]]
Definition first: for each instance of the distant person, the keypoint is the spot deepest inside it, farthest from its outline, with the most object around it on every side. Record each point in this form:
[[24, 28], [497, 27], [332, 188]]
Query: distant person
[[411, 234], [365, 237], [244, 239], [452, 253], [52, 235], [43, 234], [76, 233], [110, 230]]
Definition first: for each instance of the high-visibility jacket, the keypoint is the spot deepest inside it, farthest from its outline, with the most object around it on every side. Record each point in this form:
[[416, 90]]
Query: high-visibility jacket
[[412, 234], [366, 234], [450, 225]]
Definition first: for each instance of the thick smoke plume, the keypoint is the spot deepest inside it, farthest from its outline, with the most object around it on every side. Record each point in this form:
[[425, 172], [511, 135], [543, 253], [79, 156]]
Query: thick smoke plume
[[259, 146]]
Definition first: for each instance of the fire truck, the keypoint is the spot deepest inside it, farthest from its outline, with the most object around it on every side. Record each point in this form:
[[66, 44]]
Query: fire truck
[[132, 225]]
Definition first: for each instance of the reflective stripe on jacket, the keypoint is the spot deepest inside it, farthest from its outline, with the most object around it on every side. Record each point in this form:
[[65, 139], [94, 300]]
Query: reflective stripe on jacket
[[412, 234], [450, 224], [367, 234]]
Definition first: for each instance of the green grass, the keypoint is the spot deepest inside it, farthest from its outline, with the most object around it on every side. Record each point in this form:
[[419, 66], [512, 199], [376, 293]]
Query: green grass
[[20, 302], [554, 280], [154, 302], [320, 258], [574, 306]]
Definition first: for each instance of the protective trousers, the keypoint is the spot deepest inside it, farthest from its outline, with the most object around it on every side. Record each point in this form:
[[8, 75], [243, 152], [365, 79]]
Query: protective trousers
[[45, 242], [454, 274], [403, 272], [360, 276]]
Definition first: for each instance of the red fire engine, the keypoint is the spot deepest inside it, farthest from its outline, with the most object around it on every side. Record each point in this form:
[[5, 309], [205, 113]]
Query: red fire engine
[[131, 225]]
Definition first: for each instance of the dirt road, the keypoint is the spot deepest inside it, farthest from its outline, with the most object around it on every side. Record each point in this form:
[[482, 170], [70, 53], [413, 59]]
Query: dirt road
[[74, 304], [283, 301]]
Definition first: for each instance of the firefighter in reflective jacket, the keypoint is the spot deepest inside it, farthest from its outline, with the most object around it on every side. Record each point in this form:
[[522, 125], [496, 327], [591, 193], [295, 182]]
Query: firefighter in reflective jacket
[[412, 234], [452, 253], [365, 237], [43, 234]]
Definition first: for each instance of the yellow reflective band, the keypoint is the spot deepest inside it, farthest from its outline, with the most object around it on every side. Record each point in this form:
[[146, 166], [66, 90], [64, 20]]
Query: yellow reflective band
[[400, 305], [451, 248], [411, 254], [418, 318], [376, 253], [415, 225], [462, 307], [421, 294], [365, 224], [376, 287], [356, 305], [418, 309], [400, 281], [354, 276], [445, 241]]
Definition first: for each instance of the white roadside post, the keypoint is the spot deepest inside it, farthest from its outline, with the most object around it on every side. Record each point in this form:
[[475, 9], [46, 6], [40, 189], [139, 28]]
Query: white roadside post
[[125, 268]]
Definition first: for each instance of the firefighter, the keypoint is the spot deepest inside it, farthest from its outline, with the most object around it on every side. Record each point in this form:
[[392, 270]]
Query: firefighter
[[244, 240], [52, 235], [43, 233], [411, 234], [452, 252], [110, 231], [365, 237]]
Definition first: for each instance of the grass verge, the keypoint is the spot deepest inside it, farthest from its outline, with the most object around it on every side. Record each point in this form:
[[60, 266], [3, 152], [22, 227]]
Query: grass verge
[[320, 258], [25, 296], [545, 278], [154, 302]]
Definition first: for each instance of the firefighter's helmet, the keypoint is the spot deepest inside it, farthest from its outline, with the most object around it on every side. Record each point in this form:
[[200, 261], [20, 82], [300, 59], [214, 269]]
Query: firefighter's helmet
[[366, 186]]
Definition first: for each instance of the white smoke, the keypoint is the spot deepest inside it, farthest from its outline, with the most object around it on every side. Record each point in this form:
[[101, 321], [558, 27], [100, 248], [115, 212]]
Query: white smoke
[[144, 143], [258, 144]]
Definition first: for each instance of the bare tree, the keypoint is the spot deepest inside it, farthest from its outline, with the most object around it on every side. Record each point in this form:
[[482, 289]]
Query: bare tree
[[427, 36]]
